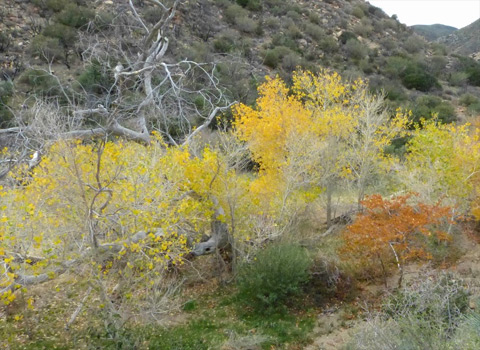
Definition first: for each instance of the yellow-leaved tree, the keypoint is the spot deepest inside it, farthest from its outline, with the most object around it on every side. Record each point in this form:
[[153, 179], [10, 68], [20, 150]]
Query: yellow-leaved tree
[[442, 163], [314, 136]]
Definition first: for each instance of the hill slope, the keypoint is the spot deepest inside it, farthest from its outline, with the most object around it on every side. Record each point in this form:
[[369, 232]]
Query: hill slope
[[465, 41], [433, 31]]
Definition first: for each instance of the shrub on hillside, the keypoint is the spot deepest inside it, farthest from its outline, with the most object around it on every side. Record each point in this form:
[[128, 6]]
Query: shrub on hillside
[[416, 77], [75, 16], [252, 5], [233, 12], [273, 57], [346, 36], [355, 49], [95, 79], [48, 49], [426, 106], [6, 92], [276, 274]]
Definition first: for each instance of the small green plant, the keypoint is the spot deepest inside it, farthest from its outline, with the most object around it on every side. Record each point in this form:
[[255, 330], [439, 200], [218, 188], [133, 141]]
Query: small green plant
[[276, 274], [6, 92]]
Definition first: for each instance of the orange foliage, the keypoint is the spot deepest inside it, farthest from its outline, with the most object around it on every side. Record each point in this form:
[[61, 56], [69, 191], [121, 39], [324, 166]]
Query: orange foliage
[[392, 228]]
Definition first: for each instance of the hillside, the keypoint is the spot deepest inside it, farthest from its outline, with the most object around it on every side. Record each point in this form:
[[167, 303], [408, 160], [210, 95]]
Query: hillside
[[258, 38], [465, 41], [433, 31]]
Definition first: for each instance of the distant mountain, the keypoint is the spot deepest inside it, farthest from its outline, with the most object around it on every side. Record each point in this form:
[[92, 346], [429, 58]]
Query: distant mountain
[[465, 41], [433, 31]]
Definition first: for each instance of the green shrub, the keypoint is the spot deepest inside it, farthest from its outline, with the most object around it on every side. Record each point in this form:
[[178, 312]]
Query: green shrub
[[276, 274], [314, 18], [316, 32], [294, 32], [57, 5], [416, 77], [233, 12], [290, 61], [328, 45], [355, 49], [458, 79], [42, 83], [223, 44], [272, 57], [427, 105], [5, 42], [364, 28], [358, 12], [252, 5], [474, 108], [294, 15], [468, 99], [66, 35], [414, 44], [48, 49], [95, 79], [346, 36], [75, 16], [6, 92], [246, 24]]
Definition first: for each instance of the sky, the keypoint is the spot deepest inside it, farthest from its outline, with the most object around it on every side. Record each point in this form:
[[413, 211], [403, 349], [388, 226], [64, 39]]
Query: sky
[[455, 13]]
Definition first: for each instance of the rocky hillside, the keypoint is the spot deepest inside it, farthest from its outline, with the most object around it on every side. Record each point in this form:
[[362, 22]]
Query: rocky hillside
[[247, 39], [465, 41]]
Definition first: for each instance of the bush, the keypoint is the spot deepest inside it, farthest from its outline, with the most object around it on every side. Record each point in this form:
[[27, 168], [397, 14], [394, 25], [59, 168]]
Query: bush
[[5, 42], [95, 79], [358, 12], [48, 49], [252, 5], [414, 44], [276, 274], [65, 34], [6, 92], [233, 12], [55, 5], [426, 315], [346, 36], [272, 57], [468, 99], [224, 43], [416, 77], [316, 32], [75, 16], [355, 49], [42, 83], [427, 105], [246, 24]]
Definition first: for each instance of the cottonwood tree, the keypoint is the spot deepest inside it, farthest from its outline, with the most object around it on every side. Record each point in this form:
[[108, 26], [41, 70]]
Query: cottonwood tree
[[85, 205], [442, 163], [321, 133]]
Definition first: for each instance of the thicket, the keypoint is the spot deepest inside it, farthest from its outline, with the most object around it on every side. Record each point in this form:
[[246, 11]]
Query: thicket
[[431, 314]]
